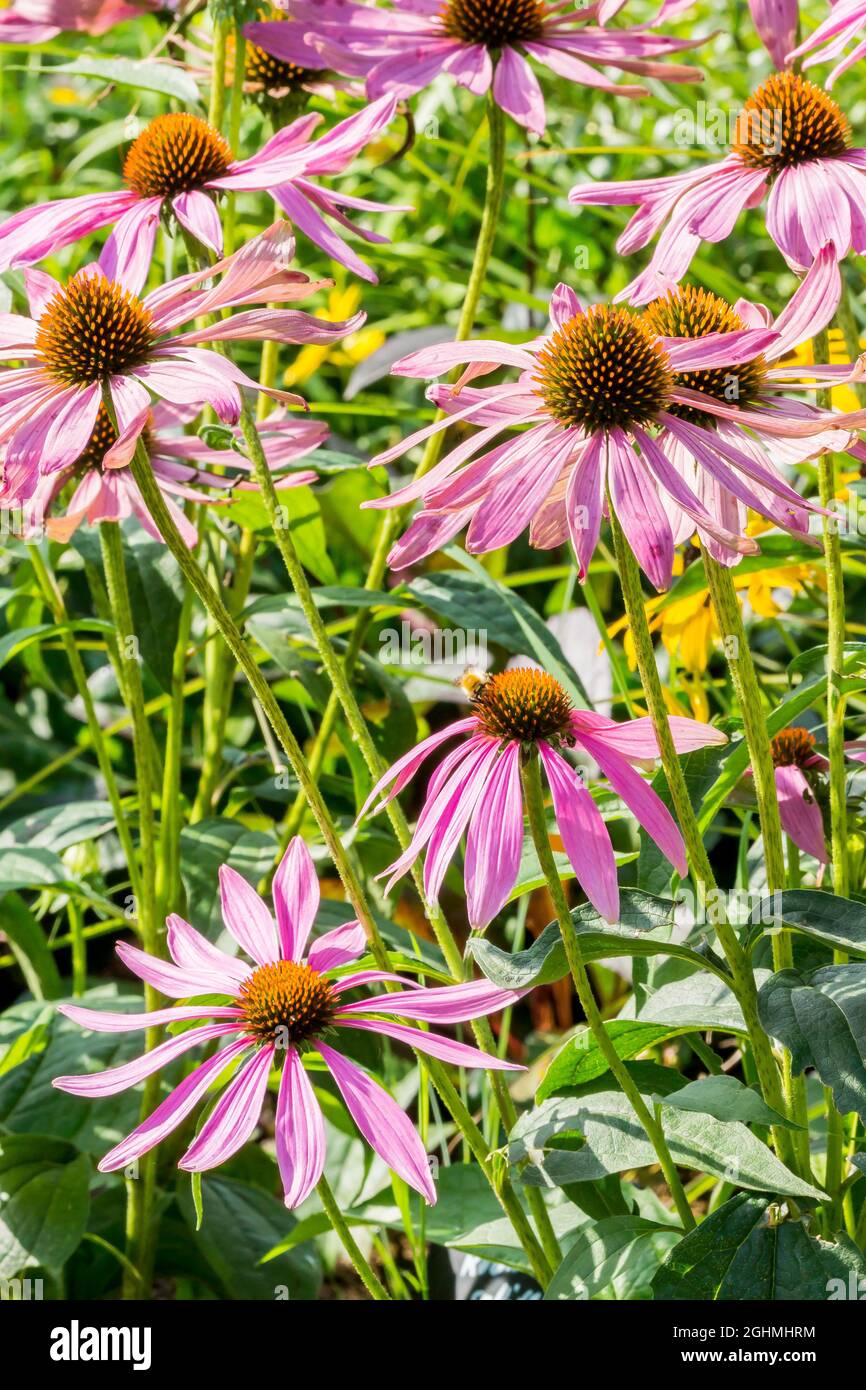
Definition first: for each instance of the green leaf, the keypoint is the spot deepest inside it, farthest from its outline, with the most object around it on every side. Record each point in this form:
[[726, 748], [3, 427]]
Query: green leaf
[[726, 1098], [155, 596], [619, 1255], [581, 1060], [820, 1016], [603, 1135], [642, 930], [23, 867], [30, 1104], [44, 1202], [204, 847], [836, 922], [738, 1253], [241, 1224], [303, 515], [60, 827], [13, 643], [30, 948], [165, 78]]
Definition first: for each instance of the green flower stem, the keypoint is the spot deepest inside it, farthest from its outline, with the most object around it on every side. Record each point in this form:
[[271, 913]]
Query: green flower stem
[[216, 609], [835, 730], [217, 107], [54, 599], [533, 796], [168, 881], [743, 980], [371, 1283], [748, 693], [140, 1189]]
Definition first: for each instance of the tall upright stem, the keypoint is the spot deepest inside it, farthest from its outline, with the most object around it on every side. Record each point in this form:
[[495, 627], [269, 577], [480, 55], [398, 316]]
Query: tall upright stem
[[748, 693], [741, 971], [140, 1189], [534, 800]]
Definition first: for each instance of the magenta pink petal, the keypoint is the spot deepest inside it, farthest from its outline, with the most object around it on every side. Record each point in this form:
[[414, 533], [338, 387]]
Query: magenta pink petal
[[445, 1049], [584, 834], [338, 947], [383, 1124], [105, 1022], [115, 1079], [646, 806], [300, 1132], [171, 981], [799, 812], [179, 1103], [247, 917], [296, 898], [441, 1004], [495, 841], [233, 1118]]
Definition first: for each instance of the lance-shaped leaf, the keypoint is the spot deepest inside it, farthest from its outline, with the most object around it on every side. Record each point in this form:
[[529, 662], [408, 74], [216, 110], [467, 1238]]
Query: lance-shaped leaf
[[835, 922], [619, 1255], [726, 1098], [642, 930], [742, 1252], [580, 1139], [820, 1016], [581, 1060]]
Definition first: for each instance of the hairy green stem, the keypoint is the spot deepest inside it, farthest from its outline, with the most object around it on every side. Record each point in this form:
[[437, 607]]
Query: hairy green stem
[[743, 980], [54, 598], [371, 1283], [141, 1188], [748, 692], [533, 796]]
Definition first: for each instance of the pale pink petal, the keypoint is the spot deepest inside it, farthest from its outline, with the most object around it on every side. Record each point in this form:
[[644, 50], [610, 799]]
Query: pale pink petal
[[115, 1079], [583, 833], [233, 1118], [337, 947], [299, 1132], [247, 917], [446, 1049], [799, 812], [296, 898], [495, 841]]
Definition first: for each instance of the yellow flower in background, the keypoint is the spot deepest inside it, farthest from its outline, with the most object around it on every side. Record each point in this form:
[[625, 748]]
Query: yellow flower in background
[[342, 304], [688, 626]]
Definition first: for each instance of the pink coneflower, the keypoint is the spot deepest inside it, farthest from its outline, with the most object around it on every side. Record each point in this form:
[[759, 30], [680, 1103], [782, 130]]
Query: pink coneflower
[[179, 164], [796, 764], [181, 463], [404, 46], [791, 139], [279, 1009], [621, 402], [95, 335], [477, 788], [37, 21], [845, 24]]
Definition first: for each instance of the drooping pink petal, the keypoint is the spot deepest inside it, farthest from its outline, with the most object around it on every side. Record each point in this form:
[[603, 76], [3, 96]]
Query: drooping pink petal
[[173, 1110], [516, 89], [441, 1004], [115, 1079], [646, 806], [404, 769], [446, 1049], [247, 917], [299, 1132], [383, 1124], [172, 981], [494, 841], [233, 1118], [584, 834], [800, 813], [198, 214]]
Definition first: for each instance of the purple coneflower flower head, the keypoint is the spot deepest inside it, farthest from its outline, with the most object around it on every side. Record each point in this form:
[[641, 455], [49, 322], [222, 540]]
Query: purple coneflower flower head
[[618, 402], [94, 335], [179, 164], [284, 1002], [796, 767], [37, 21], [182, 465], [792, 141], [403, 47], [477, 789], [845, 24]]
